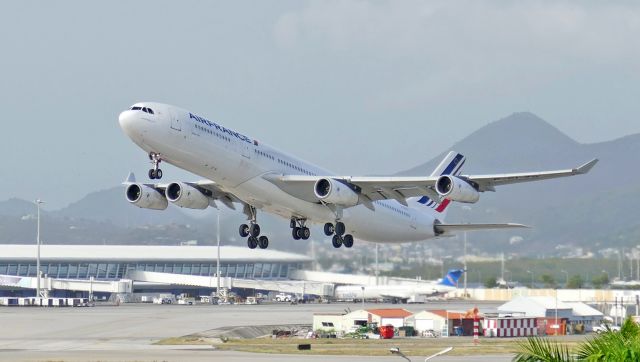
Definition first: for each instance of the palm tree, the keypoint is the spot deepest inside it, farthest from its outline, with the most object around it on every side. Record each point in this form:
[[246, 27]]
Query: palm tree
[[613, 346], [535, 349], [609, 346]]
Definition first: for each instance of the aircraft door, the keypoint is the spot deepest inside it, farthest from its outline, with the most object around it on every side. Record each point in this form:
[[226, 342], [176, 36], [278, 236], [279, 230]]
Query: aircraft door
[[413, 222], [175, 121]]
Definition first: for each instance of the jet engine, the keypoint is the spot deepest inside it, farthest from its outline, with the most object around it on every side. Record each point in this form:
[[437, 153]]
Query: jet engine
[[456, 189], [187, 196], [146, 197], [335, 192]]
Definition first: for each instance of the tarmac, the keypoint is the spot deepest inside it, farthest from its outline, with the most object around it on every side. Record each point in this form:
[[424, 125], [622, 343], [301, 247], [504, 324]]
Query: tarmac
[[128, 332]]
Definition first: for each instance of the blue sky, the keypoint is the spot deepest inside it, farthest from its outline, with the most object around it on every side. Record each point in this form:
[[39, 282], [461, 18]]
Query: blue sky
[[360, 87]]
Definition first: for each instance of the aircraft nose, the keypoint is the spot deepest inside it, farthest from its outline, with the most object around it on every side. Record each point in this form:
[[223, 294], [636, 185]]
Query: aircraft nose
[[127, 120]]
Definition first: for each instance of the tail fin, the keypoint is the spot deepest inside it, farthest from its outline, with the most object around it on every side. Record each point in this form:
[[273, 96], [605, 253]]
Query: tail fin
[[451, 279], [450, 165], [131, 179]]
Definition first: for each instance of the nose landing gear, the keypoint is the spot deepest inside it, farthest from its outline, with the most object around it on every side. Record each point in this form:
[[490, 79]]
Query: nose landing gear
[[155, 172]]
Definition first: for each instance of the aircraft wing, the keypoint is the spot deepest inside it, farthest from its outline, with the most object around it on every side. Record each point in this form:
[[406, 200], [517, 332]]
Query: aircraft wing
[[399, 188], [487, 182], [372, 187]]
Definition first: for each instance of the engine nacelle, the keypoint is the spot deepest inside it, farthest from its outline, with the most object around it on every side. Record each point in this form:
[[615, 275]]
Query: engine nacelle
[[146, 197], [335, 192], [185, 195], [456, 189]]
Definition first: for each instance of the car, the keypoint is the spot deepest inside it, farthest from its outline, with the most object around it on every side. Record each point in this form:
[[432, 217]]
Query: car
[[604, 327], [282, 297]]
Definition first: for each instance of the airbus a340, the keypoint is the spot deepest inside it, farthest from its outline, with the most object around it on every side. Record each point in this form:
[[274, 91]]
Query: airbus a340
[[239, 170]]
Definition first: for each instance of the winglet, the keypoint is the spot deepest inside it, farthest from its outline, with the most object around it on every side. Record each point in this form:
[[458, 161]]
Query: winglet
[[586, 167], [130, 179]]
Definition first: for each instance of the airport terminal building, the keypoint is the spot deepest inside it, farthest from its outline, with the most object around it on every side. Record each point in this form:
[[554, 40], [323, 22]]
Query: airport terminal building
[[113, 262], [102, 263]]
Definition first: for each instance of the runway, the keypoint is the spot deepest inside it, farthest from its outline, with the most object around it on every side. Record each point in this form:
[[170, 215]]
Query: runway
[[127, 332]]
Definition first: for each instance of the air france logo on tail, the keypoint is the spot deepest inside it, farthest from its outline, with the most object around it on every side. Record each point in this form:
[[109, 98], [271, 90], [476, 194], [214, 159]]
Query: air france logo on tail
[[449, 166]]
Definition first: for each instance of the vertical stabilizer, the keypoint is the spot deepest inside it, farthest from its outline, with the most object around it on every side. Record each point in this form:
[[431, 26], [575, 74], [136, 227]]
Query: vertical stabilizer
[[451, 279], [450, 165]]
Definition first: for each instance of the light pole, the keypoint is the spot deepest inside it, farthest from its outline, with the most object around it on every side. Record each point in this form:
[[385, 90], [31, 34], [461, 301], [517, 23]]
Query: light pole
[[531, 272], [38, 203], [557, 326], [566, 277], [218, 257], [467, 208], [465, 265], [362, 297]]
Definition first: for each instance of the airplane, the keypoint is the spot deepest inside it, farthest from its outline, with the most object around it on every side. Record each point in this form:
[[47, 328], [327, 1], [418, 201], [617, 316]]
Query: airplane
[[399, 292], [238, 169]]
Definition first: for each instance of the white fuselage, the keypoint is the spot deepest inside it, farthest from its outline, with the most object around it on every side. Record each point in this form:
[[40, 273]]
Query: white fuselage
[[238, 163], [351, 292]]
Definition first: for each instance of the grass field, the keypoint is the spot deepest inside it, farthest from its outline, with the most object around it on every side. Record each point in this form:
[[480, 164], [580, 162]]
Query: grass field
[[462, 346]]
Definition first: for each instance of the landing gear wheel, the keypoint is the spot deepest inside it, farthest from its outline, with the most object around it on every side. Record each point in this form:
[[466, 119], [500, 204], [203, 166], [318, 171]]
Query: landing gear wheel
[[348, 241], [305, 233], [340, 228], [336, 241], [152, 174], [252, 242], [158, 174], [244, 230], [329, 229], [295, 232], [254, 230], [263, 242]]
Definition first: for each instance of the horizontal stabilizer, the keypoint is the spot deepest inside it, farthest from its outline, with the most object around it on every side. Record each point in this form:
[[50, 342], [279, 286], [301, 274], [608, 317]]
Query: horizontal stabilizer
[[449, 228]]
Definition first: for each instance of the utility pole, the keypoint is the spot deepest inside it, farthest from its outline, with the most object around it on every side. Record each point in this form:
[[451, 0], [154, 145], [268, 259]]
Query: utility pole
[[38, 203], [377, 271], [465, 265], [557, 326], [218, 258]]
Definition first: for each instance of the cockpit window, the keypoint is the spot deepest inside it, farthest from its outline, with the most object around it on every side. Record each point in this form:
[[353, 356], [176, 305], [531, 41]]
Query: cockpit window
[[149, 110], [136, 108]]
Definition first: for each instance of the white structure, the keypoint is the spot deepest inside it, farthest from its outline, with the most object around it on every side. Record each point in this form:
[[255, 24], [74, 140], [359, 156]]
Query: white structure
[[427, 320], [576, 313], [510, 327], [349, 322], [585, 315], [112, 262], [538, 307]]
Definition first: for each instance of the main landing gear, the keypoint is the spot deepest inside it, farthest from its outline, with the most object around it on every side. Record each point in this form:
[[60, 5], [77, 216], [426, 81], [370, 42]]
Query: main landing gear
[[252, 231], [155, 172], [339, 238], [299, 230]]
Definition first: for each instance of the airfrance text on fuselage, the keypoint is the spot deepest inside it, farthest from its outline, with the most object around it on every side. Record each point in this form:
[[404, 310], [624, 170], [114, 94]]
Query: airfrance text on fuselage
[[205, 121]]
